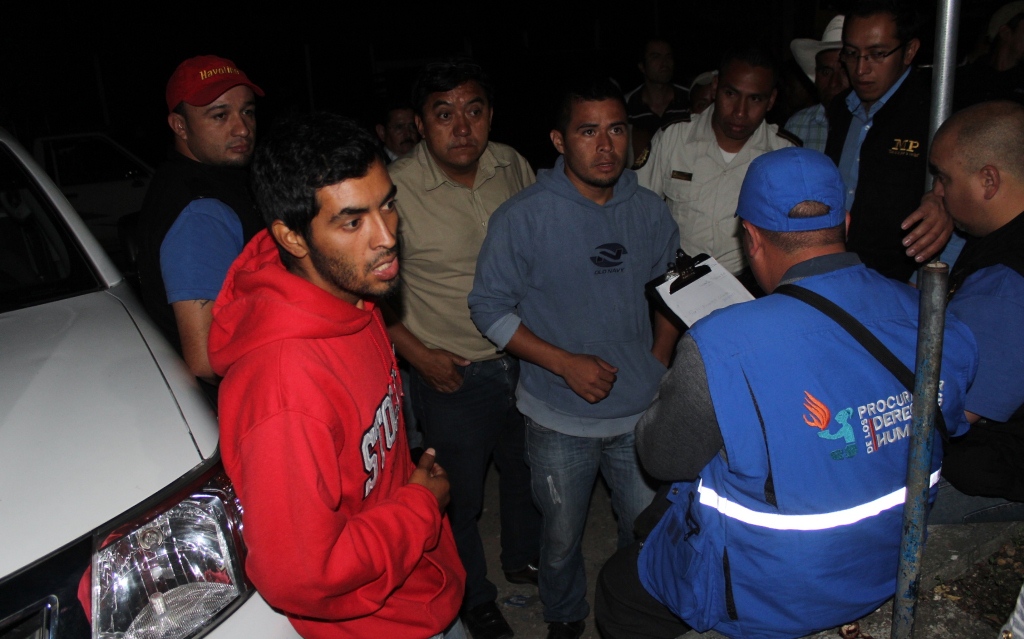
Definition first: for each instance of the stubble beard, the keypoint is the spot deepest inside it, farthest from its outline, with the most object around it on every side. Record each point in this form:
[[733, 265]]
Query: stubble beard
[[344, 275], [603, 183]]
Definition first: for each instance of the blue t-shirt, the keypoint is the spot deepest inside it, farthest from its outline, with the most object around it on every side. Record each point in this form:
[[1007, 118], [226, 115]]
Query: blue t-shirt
[[198, 250], [991, 303]]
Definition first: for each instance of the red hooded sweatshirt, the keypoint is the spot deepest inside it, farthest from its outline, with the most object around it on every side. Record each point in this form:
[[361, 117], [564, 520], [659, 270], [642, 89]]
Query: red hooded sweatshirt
[[312, 436]]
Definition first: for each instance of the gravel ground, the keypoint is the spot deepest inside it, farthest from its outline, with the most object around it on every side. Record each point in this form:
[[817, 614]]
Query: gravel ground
[[973, 606], [989, 591], [520, 603]]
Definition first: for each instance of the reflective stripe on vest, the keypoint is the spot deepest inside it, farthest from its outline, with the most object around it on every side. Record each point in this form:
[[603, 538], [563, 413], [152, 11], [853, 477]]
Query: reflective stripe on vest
[[822, 521]]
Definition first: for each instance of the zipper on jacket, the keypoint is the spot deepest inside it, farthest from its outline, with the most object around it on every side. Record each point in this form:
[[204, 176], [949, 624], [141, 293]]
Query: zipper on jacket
[[769, 482], [730, 601], [692, 527]]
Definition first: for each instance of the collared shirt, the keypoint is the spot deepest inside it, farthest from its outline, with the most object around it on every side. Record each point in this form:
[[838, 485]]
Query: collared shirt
[[819, 266], [811, 126], [686, 168], [641, 116], [442, 225], [849, 162]]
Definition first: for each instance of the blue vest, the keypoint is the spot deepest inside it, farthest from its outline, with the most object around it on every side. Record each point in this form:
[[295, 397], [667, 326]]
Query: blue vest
[[796, 526]]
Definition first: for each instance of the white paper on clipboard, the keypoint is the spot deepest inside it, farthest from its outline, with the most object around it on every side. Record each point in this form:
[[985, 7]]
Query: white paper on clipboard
[[699, 297]]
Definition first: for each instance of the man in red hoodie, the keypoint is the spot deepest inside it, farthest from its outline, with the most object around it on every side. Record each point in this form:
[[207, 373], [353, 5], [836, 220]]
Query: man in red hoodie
[[344, 535]]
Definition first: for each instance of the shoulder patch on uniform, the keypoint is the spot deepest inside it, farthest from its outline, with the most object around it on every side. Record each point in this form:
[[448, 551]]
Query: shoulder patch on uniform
[[641, 160], [789, 137]]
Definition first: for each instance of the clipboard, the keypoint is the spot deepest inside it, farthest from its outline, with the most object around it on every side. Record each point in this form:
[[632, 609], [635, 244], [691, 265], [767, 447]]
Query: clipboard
[[693, 287]]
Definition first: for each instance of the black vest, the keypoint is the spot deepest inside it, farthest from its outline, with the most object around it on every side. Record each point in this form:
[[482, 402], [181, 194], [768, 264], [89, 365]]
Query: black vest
[[1003, 246], [176, 183], [893, 167], [989, 459]]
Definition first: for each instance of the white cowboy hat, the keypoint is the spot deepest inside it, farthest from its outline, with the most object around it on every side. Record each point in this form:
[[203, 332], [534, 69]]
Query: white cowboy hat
[[704, 78], [805, 49], [1003, 15]]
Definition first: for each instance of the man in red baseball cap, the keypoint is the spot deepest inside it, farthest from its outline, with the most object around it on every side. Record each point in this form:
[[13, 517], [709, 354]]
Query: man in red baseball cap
[[198, 213]]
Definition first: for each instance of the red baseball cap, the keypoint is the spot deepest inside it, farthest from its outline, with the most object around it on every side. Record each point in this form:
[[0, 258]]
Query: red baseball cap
[[202, 79]]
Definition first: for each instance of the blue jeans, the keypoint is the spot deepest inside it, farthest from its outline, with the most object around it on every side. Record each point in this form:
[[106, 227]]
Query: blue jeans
[[466, 427], [564, 469], [412, 427]]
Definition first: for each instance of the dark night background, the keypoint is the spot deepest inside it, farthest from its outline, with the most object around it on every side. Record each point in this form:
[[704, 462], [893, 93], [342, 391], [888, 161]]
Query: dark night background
[[104, 67]]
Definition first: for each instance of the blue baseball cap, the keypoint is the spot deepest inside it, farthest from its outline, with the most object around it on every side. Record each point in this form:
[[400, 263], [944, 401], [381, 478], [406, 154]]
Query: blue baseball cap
[[778, 181]]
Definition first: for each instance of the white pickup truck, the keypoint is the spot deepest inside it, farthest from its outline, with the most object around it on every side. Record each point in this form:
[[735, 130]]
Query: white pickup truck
[[116, 518]]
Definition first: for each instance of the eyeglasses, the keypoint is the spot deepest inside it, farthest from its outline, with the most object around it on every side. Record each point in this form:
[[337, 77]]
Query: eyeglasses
[[826, 71], [847, 56]]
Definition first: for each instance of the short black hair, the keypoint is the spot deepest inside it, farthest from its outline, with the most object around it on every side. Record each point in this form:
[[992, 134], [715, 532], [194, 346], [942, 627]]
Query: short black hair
[[386, 108], [642, 51], [304, 153], [908, 19], [793, 241], [587, 88], [443, 76], [755, 56], [988, 133]]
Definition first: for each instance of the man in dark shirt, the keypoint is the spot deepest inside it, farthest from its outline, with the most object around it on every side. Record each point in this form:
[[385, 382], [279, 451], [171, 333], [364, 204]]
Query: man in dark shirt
[[198, 212], [657, 101], [397, 130], [878, 137], [978, 160], [1000, 74]]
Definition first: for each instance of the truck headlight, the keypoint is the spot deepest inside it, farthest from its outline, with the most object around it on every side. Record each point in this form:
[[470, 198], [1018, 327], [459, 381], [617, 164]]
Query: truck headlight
[[167, 575]]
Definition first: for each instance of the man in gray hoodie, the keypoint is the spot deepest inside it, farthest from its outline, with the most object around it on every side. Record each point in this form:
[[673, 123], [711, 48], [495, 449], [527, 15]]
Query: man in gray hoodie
[[560, 284]]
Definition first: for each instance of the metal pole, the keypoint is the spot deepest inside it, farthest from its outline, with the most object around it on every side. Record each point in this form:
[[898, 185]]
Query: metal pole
[[947, 23], [931, 321]]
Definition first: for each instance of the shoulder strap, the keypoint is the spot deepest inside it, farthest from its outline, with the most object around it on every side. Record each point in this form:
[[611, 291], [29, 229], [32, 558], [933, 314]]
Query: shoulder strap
[[865, 338]]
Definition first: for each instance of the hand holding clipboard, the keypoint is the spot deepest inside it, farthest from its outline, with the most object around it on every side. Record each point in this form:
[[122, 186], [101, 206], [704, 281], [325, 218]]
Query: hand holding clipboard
[[694, 286]]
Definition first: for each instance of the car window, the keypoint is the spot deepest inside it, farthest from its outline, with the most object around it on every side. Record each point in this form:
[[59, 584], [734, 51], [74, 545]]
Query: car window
[[88, 160], [39, 260]]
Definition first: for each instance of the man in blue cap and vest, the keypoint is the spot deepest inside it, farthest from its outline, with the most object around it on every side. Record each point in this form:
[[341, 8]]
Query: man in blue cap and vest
[[786, 439]]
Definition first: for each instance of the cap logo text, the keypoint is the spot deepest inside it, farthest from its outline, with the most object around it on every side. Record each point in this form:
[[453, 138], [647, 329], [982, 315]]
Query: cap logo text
[[225, 70]]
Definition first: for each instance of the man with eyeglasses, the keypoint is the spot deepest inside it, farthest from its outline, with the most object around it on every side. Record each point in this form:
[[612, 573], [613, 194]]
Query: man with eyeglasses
[[819, 59], [878, 137]]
